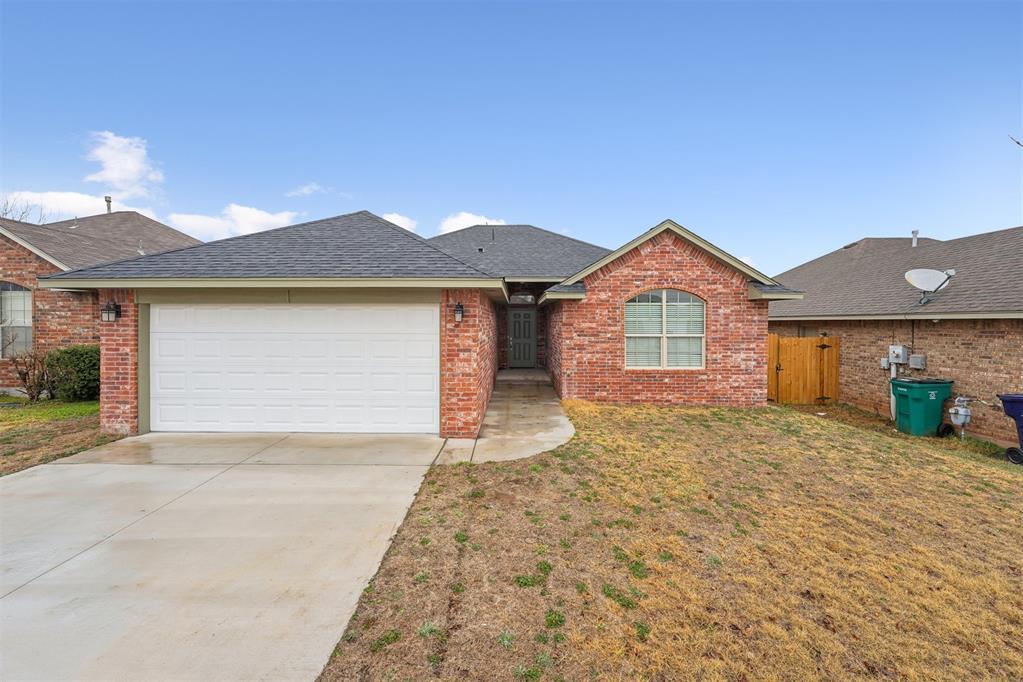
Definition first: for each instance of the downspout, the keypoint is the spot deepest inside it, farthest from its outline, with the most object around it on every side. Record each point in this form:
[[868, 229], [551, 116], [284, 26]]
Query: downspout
[[891, 394], [894, 371]]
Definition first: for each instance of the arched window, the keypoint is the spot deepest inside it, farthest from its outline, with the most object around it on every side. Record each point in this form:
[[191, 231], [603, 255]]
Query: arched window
[[15, 319], [664, 328]]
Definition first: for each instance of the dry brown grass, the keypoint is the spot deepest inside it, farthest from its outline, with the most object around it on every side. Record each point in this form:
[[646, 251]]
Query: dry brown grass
[[32, 434], [704, 543]]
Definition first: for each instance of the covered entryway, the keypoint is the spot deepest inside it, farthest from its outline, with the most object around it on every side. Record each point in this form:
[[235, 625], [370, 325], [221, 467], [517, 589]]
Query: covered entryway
[[369, 368]]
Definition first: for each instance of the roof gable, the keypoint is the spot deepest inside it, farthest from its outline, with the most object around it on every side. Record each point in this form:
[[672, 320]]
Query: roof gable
[[82, 242], [352, 246], [867, 279], [514, 251], [16, 231], [687, 236]]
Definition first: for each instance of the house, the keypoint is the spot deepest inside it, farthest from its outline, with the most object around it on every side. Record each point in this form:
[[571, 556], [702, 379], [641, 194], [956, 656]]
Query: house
[[970, 332], [44, 319], [354, 324]]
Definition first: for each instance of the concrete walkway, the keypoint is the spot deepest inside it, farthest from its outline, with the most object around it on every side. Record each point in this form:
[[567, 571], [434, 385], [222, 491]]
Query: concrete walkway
[[524, 418], [197, 556]]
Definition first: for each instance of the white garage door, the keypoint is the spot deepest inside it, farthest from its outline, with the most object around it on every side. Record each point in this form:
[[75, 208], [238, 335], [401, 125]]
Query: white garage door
[[360, 368]]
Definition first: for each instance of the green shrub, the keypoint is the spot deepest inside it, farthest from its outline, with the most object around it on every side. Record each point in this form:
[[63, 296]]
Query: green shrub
[[74, 372]]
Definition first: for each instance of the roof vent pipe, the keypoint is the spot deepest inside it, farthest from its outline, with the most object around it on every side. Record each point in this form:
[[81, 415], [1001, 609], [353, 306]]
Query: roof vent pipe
[[916, 233], [109, 201]]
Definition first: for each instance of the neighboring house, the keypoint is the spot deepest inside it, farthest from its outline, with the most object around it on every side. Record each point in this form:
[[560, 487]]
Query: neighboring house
[[355, 324], [970, 332], [46, 319]]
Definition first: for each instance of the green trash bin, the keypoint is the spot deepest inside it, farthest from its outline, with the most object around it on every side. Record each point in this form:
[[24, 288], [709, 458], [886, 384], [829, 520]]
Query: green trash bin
[[918, 404]]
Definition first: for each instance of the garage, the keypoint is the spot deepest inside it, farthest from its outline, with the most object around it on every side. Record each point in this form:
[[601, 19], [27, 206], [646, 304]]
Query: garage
[[367, 368]]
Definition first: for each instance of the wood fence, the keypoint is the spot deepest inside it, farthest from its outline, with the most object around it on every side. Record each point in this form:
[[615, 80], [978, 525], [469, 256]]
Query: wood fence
[[802, 371]]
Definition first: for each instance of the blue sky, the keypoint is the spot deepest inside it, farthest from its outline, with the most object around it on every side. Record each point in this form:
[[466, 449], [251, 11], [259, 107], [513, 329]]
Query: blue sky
[[779, 131]]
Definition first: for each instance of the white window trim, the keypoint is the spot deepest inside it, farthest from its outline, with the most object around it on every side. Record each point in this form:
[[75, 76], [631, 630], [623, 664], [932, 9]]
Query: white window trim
[[664, 336], [31, 320]]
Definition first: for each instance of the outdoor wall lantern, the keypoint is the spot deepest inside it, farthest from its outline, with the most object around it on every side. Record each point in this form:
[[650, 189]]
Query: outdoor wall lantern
[[459, 312], [111, 312]]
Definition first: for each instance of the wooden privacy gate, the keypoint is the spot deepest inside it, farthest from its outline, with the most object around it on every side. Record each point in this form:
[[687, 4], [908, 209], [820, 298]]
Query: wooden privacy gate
[[802, 371]]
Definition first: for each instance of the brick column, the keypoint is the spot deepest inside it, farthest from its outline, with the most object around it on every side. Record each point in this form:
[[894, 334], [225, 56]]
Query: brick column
[[118, 345], [468, 362]]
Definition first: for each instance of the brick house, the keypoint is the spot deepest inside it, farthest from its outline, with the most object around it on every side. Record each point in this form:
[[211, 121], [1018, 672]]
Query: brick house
[[31, 317], [970, 332], [354, 324]]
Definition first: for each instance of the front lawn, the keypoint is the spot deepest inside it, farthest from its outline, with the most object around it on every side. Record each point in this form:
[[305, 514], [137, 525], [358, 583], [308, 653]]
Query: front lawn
[[670, 543], [36, 433]]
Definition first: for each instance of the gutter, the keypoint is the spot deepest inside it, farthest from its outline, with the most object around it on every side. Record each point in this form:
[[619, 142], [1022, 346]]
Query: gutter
[[997, 315], [69, 283]]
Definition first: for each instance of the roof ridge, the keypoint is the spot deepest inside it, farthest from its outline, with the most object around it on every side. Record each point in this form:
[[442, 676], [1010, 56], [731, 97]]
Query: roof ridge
[[565, 236], [422, 240], [532, 227]]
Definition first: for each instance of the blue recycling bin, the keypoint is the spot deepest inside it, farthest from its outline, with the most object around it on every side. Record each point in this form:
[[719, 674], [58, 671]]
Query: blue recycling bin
[[1012, 403]]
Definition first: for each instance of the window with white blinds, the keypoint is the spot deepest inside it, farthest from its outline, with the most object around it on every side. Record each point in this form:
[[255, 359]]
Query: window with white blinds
[[15, 319], [664, 328]]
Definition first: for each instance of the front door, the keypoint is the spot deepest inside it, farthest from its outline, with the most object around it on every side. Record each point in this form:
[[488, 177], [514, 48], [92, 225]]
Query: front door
[[522, 337]]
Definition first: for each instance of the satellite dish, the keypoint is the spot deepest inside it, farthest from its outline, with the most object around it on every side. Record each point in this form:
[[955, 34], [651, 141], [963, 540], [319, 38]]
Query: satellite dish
[[929, 281]]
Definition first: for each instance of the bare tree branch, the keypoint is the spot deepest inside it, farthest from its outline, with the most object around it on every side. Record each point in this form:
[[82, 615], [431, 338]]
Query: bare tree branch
[[22, 211]]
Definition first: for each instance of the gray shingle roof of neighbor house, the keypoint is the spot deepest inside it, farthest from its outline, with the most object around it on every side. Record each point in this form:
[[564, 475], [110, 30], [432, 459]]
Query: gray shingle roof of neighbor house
[[356, 245], [519, 251], [867, 279], [102, 238]]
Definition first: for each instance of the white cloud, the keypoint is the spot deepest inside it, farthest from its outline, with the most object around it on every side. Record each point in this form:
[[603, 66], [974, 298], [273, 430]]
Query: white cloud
[[61, 205], [456, 221], [401, 221], [126, 167], [233, 220], [308, 189], [748, 260]]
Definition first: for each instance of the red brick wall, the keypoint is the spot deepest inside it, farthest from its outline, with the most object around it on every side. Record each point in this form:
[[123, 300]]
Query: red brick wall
[[118, 392], [982, 357], [590, 347], [468, 362], [58, 318]]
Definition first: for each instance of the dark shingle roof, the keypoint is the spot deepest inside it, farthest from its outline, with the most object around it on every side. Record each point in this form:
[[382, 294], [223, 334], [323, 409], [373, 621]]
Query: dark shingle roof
[[356, 245], [102, 238], [519, 250], [774, 288], [576, 288], [867, 277]]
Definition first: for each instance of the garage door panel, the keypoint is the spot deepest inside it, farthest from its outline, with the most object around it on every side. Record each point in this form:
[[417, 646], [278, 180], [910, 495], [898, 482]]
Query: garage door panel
[[284, 368], [241, 382], [170, 317], [421, 383], [312, 382], [170, 348]]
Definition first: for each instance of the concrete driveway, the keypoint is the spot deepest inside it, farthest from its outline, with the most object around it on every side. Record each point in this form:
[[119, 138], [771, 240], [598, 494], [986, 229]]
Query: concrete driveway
[[197, 556]]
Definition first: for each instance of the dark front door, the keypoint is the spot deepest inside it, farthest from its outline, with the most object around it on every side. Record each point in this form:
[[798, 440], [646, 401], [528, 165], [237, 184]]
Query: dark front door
[[522, 337]]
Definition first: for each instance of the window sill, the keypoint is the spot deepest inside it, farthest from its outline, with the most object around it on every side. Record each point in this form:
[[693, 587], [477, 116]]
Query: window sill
[[665, 369]]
